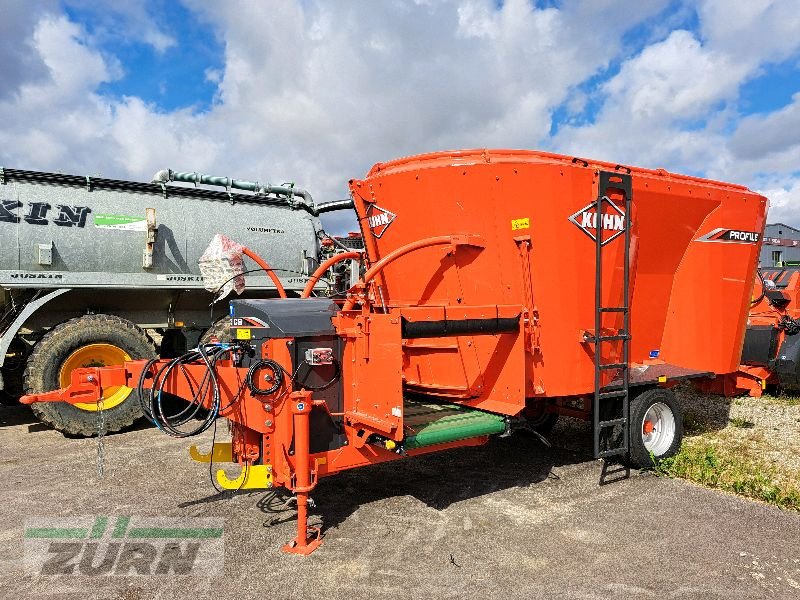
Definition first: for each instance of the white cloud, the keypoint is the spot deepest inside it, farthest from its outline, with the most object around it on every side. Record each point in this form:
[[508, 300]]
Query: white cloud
[[316, 92], [335, 88], [675, 104], [18, 62], [74, 68], [760, 136], [754, 31], [784, 201], [676, 79], [650, 105]]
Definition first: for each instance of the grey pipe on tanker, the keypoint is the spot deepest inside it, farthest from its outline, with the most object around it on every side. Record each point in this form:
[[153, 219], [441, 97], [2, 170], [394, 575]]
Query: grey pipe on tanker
[[308, 204]]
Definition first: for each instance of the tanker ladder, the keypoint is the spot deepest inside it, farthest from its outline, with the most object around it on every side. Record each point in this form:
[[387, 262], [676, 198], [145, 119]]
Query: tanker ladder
[[610, 408]]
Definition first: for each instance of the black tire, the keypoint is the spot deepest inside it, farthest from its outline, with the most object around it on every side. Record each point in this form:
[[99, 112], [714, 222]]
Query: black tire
[[8, 399], [220, 330], [543, 423], [640, 455], [173, 405], [44, 364], [12, 387], [12, 373]]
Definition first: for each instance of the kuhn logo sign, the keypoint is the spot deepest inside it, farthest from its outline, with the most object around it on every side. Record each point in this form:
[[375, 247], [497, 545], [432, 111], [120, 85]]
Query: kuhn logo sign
[[612, 221], [379, 219]]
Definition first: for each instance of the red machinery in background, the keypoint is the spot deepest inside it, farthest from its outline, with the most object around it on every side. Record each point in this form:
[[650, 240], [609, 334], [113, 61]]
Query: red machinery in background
[[771, 351], [500, 289]]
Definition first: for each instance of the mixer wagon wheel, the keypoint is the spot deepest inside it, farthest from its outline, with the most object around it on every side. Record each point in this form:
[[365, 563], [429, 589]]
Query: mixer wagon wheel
[[87, 341], [541, 420], [656, 426]]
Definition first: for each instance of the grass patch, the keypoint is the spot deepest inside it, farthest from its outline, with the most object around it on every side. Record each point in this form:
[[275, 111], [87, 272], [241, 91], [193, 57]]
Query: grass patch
[[726, 469], [783, 398], [741, 423], [694, 424]]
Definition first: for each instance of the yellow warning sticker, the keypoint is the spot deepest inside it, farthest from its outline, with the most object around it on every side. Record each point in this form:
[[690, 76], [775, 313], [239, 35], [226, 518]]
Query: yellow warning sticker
[[520, 223], [243, 333]]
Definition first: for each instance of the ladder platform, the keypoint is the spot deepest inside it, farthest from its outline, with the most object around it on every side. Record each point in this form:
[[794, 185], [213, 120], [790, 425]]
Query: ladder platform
[[657, 373], [612, 422], [614, 394]]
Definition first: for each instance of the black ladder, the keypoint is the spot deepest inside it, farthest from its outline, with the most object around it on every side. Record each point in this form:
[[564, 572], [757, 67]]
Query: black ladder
[[610, 409]]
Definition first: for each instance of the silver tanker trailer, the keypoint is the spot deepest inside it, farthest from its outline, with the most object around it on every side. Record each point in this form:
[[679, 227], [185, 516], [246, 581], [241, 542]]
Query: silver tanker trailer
[[97, 271]]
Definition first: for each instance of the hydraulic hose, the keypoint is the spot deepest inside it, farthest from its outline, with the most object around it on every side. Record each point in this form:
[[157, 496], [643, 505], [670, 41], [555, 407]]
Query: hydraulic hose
[[263, 264]]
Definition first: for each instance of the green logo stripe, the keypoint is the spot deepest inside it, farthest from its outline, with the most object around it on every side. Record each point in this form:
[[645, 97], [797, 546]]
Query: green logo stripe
[[121, 530], [177, 532], [56, 532], [116, 219], [121, 527], [99, 527]]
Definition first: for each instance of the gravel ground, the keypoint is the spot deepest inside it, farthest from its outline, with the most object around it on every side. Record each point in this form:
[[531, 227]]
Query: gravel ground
[[508, 520]]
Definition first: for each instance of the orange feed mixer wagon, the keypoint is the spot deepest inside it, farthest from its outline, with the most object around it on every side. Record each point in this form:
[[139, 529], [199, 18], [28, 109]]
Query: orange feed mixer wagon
[[499, 290]]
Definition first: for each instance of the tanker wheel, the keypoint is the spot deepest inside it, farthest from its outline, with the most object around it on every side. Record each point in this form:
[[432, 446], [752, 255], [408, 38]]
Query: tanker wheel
[[173, 405], [656, 427], [220, 329], [11, 373], [88, 341]]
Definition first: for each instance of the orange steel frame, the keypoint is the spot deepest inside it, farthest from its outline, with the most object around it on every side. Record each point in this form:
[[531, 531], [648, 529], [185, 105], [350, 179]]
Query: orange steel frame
[[274, 429], [426, 271]]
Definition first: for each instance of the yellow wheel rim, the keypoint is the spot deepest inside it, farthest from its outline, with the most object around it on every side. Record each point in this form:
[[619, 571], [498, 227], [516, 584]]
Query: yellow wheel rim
[[96, 355]]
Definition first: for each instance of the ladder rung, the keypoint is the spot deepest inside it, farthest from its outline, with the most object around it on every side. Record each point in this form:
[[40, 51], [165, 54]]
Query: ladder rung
[[614, 452], [617, 387], [613, 366], [617, 394], [612, 422], [610, 338], [619, 309]]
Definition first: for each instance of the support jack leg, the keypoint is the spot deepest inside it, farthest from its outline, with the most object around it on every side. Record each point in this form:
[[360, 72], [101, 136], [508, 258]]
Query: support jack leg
[[308, 538]]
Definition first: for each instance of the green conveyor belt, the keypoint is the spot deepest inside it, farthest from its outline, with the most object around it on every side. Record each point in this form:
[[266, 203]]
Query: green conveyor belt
[[429, 423]]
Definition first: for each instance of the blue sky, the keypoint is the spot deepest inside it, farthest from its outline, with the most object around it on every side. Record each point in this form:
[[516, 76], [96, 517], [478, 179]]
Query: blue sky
[[170, 75], [315, 92]]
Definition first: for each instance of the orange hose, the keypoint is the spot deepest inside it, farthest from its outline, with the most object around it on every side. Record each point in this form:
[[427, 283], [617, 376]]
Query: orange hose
[[324, 267], [263, 264]]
